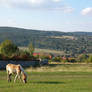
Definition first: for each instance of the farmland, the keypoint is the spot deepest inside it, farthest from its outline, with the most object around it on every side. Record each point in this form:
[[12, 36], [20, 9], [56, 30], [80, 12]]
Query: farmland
[[56, 81], [38, 50]]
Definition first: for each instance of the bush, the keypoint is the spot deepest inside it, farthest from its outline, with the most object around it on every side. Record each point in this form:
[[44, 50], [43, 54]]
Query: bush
[[72, 60], [82, 57], [7, 48], [57, 59], [89, 60]]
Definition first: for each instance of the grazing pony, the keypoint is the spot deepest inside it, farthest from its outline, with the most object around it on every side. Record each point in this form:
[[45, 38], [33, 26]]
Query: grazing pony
[[16, 69]]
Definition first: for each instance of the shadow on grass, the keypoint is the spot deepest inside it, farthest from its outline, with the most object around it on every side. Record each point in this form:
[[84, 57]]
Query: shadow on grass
[[53, 65], [48, 82]]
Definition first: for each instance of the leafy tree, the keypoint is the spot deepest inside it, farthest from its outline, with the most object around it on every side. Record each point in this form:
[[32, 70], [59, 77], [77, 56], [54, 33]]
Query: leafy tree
[[82, 57], [8, 48], [89, 59], [31, 49]]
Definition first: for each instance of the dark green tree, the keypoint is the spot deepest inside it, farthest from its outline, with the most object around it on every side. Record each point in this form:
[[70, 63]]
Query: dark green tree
[[8, 48]]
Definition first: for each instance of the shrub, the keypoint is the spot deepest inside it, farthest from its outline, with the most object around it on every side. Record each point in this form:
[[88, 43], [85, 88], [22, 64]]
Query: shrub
[[82, 57], [89, 60], [72, 60], [7, 48], [57, 59]]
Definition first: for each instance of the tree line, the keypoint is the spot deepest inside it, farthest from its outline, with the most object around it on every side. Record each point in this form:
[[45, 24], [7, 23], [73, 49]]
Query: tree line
[[9, 50]]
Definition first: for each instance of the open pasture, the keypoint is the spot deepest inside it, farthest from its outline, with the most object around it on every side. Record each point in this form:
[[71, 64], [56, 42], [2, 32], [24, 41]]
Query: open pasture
[[49, 82]]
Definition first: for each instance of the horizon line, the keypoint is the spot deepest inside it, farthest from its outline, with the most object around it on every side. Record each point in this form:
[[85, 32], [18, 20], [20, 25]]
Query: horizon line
[[43, 29]]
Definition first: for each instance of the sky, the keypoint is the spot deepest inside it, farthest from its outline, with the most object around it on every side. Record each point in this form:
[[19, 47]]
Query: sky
[[48, 15]]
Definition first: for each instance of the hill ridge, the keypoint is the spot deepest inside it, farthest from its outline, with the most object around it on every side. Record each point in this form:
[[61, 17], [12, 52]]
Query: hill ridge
[[69, 42]]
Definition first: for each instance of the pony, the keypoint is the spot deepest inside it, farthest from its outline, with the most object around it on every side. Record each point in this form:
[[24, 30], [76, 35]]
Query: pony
[[18, 70]]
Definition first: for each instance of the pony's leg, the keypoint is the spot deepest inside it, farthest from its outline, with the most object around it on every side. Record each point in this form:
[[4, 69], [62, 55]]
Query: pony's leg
[[15, 77], [19, 77], [8, 76]]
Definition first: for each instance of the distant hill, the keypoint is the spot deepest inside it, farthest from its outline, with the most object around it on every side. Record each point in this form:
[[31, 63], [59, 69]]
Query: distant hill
[[71, 42]]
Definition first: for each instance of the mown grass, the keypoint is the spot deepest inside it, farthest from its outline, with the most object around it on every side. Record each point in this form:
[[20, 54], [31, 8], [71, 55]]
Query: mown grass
[[49, 82]]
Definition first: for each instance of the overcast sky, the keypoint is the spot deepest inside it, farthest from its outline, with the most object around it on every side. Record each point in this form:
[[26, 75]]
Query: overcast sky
[[54, 15]]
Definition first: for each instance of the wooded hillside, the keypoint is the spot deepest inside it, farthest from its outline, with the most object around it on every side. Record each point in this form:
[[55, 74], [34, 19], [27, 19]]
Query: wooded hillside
[[71, 43]]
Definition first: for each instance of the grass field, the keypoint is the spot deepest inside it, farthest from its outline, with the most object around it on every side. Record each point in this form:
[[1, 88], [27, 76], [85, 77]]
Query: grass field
[[38, 50], [56, 81]]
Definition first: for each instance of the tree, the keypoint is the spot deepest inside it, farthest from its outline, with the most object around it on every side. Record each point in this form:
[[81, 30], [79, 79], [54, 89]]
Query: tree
[[31, 49], [8, 48], [90, 59], [82, 57]]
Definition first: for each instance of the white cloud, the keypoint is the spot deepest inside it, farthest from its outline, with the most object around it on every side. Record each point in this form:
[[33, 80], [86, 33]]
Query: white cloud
[[87, 11], [55, 5], [9, 2], [36, 1], [64, 9], [68, 9], [56, 0]]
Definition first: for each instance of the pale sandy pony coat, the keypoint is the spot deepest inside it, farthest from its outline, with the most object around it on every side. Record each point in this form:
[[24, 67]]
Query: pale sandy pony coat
[[18, 70]]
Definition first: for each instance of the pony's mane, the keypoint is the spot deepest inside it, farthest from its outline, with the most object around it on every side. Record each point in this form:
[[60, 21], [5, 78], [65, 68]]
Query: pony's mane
[[22, 70]]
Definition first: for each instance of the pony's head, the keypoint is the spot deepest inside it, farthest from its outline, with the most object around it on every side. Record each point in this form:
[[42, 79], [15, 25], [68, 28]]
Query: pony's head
[[24, 75], [24, 78]]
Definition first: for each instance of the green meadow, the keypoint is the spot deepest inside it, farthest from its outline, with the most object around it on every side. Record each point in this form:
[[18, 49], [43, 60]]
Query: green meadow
[[47, 81]]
